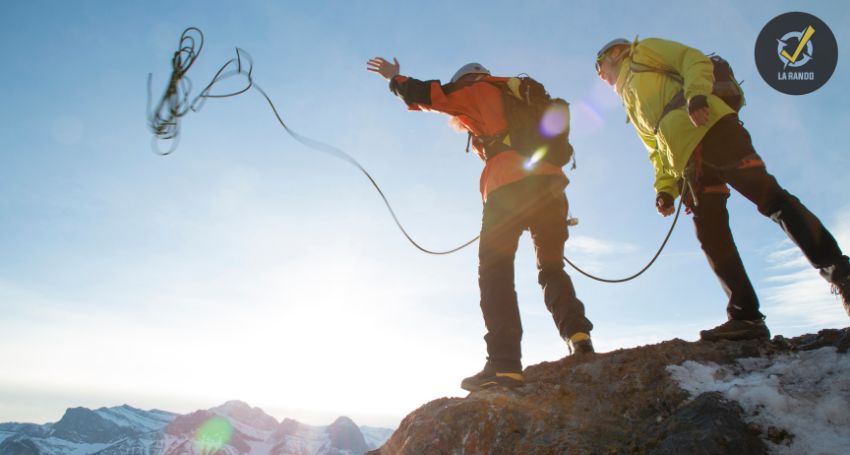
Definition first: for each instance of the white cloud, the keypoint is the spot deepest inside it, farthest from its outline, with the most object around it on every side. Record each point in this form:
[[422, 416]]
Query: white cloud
[[584, 245], [794, 294], [594, 255]]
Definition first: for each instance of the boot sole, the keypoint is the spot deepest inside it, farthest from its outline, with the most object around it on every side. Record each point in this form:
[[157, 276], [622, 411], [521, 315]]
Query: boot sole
[[498, 382]]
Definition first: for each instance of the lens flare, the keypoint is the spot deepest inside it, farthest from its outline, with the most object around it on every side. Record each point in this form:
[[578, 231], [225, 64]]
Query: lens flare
[[213, 435], [555, 121], [588, 119], [535, 158]]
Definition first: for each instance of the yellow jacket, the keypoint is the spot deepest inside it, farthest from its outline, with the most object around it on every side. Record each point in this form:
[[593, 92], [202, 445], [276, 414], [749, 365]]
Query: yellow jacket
[[646, 93]]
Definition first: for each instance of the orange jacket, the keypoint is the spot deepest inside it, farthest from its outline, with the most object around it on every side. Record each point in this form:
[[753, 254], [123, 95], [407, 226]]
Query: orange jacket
[[479, 107]]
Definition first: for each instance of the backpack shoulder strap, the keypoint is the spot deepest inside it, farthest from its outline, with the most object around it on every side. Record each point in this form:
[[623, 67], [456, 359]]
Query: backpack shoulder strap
[[640, 67], [513, 85], [636, 67], [508, 85], [678, 99]]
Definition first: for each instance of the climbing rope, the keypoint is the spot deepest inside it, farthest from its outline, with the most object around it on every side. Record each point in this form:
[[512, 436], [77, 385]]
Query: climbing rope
[[164, 119], [651, 261], [164, 122]]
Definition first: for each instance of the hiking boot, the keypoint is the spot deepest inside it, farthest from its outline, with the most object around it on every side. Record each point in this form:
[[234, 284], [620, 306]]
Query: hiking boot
[[579, 343], [488, 377], [842, 289], [737, 329]]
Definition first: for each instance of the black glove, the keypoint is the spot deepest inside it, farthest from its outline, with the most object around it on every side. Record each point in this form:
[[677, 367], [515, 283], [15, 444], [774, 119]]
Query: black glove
[[696, 103], [663, 202]]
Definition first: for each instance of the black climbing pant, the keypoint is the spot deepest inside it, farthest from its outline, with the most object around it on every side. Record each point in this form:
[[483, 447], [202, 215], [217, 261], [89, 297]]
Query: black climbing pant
[[726, 156], [537, 204]]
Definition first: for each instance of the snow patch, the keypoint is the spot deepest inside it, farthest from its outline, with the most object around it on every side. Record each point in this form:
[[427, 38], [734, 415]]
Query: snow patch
[[62, 447], [307, 440], [137, 419], [376, 437], [806, 393]]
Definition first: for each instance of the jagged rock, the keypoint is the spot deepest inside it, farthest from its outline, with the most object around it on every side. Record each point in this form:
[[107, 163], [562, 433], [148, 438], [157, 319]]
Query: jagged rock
[[619, 402], [188, 423], [19, 446], [86, 426], [345, 435], [27, 429], [826, 337], [240, 411], [779, 435], [707, 425]]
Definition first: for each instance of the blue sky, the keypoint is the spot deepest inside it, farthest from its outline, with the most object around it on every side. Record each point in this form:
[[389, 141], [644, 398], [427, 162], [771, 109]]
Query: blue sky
[[245, 266]]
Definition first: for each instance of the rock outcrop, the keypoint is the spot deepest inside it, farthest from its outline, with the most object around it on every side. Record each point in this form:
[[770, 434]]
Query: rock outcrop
[[625, 401]]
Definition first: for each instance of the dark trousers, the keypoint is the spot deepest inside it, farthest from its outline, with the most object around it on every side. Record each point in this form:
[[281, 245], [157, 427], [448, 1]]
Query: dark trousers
[[726, 156], [538, 204]]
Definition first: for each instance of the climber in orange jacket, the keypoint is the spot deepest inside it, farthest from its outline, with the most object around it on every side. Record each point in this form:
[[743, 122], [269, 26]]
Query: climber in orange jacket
[[519, 194]]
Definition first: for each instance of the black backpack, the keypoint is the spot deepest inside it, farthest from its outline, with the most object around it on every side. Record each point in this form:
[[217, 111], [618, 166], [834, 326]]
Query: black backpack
[[530, 111], [726, 87]]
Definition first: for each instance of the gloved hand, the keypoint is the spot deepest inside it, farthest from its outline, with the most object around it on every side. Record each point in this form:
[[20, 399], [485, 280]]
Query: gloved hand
[[698, 110], [381, 66], [664, 204]]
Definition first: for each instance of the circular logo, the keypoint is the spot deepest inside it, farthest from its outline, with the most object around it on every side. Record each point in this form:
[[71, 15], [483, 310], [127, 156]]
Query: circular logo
[[796, 53]]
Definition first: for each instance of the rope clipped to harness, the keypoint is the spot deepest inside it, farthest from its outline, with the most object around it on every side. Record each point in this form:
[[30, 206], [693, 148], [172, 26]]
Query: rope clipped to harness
[[164, 119]]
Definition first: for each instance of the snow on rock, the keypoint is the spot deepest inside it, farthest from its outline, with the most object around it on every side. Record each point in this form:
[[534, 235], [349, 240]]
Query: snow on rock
[[346, 436], [804, 396], [128, 416], [375, 436], [242, 413]]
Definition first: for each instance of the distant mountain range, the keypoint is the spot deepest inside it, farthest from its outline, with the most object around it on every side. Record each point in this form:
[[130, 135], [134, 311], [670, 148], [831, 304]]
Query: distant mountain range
[[234, 428]]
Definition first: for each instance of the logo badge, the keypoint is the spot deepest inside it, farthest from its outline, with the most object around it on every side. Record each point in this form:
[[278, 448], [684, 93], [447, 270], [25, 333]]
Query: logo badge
[[796, 53]]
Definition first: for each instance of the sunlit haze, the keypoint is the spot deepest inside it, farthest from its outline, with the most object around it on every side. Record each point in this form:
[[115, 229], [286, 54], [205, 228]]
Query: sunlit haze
[[248, 267]]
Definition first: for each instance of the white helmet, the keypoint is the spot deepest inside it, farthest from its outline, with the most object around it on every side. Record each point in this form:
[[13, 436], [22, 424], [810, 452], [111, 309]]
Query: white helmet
[[470, 68]]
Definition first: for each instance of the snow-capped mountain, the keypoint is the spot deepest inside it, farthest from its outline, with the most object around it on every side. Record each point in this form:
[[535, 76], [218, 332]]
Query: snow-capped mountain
[[234, 428]]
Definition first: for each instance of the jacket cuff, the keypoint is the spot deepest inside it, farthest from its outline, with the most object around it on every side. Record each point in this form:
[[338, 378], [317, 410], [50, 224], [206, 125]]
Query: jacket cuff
[[696, 103], [667, 186], [394, 84]]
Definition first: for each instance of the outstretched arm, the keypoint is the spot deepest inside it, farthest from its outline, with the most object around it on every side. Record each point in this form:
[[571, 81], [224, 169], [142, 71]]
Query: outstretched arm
[[415, 93], [418, 95]]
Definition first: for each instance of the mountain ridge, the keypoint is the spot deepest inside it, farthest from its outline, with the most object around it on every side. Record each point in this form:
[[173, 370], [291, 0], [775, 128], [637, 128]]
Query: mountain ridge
[[233, 428]]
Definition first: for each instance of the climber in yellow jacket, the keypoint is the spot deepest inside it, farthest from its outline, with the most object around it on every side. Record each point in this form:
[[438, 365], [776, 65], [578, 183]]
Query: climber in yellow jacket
[[693, 136]]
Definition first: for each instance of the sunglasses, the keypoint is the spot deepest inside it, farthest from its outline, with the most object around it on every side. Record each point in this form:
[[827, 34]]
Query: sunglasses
[[599, 59]]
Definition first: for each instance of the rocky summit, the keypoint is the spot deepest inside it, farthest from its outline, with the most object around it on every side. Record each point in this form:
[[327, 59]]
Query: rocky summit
[[676, 397]]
